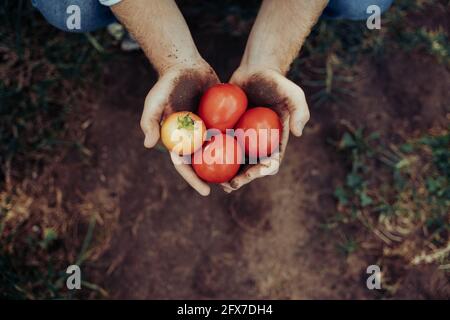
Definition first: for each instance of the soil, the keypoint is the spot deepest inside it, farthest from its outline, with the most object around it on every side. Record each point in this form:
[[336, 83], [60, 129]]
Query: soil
[[266, 240]]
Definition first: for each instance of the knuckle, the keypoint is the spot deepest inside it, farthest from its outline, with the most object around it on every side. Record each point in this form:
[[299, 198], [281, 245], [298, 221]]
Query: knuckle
[[249, 175]]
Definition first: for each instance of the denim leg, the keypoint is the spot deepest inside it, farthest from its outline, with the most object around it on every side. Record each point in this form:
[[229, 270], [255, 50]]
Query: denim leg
[[353, 9], [93, 15]]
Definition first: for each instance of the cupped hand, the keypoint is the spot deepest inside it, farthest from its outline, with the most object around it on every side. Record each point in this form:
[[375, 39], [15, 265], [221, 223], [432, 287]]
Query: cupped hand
[[179, 88], [269, 88]]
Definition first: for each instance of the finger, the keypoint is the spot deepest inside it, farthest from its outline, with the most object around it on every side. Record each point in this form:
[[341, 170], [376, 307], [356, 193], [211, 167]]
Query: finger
[[266, 167], [284, 135], [297, 105], [226, 187], [250, 174], [154, 105], [188, 174]]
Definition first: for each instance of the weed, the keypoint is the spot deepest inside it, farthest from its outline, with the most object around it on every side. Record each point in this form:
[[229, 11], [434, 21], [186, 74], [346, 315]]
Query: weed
[[348, 246], [43, 72], [399, 192], [40, 82], [326, 66]]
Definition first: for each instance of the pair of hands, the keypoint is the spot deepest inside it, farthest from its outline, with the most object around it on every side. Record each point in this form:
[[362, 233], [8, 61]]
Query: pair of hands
[[180, 87]]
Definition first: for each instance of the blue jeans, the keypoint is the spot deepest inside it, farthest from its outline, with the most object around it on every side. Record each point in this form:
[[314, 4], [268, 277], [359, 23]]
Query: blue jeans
[[95, 16]]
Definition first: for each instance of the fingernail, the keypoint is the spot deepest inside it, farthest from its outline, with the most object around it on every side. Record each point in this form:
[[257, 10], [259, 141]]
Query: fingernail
[[234, 184], [204, 192], [227, 190]]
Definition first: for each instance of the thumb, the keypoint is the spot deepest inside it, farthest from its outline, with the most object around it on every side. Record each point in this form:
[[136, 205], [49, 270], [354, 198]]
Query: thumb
[[297, 106], [154, 105]]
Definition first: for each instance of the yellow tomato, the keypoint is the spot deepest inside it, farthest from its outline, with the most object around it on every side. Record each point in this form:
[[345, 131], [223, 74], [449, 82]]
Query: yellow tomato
[[183, 132]]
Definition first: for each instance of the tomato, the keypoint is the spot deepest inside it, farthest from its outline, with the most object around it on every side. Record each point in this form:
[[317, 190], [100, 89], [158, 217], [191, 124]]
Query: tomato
[[183, 132], [219, 159], [222, 105], [256, 133]]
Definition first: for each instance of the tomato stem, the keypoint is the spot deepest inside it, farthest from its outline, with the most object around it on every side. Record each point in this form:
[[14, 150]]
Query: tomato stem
[[186, 122]]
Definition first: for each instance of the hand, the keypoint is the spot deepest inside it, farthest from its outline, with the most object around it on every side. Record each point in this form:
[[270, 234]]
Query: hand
[[269, 88], [179, 88]]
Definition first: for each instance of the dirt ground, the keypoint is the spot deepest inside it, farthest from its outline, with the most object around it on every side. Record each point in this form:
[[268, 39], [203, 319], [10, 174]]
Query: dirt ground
[[265, 240], [79, 186]]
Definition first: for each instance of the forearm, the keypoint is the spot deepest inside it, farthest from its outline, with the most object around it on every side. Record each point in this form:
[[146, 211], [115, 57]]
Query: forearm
[[161, 31], [279, 32]]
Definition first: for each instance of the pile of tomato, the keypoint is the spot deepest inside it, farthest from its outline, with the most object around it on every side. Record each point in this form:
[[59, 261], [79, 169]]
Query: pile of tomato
[[222, 107]]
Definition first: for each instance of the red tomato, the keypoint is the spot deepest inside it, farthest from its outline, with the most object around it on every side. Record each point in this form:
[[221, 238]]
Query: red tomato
[[222, 105], [219, 159], [256, 134]]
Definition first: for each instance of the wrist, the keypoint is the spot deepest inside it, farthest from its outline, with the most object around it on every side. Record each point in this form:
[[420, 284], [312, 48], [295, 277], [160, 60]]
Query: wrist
[[255, 68], [191, 62], [258, 63]]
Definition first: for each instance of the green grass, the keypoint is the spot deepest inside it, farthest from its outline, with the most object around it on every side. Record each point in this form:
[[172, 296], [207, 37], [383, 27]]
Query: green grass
[[44, 72], [325, 66], [41, 82], [347, 246], [44, 277], [400, 192]]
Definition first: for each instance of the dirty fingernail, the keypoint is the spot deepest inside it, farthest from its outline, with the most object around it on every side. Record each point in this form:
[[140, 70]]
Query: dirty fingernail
[[234, 184]]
